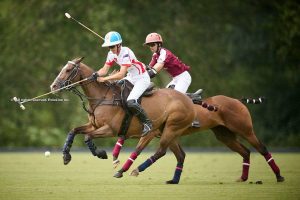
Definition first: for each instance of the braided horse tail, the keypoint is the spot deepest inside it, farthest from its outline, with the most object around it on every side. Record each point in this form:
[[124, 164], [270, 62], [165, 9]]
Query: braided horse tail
[[206, 105], [243, 100], [252, 100]]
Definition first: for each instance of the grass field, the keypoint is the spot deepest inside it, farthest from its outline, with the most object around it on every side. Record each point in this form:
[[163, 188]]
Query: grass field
[[205, 176]]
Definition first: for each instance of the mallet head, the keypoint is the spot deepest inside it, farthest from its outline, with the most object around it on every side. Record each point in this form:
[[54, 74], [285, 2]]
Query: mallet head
[[17, 101], [68, 15], [22, 107]]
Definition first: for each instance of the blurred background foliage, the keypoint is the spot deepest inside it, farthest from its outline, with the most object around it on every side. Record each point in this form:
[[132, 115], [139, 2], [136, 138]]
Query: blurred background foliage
[[238, 48]]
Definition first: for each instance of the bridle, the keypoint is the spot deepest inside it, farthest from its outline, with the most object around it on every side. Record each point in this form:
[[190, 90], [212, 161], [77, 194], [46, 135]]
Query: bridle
[[99, 101], [72, 75], [68, 81]]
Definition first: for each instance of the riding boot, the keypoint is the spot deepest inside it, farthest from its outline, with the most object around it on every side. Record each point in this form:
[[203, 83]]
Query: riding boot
[[139, 112]]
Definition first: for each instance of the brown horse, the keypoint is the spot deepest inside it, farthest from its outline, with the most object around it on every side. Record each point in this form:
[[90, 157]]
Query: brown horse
[[171, 113]]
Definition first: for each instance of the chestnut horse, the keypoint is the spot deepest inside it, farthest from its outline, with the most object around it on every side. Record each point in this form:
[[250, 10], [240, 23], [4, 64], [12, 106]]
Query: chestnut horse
[[171, 113]]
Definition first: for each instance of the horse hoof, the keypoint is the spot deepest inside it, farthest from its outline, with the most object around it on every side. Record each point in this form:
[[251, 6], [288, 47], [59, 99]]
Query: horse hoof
[[102, 154], [116, 163], [172, 182], [241, 179], [118, 175], [280, 179], [135, 173], [67, 158]]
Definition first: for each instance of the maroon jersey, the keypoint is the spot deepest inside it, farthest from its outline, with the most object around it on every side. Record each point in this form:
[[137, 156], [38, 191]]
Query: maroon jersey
[[171, 62]]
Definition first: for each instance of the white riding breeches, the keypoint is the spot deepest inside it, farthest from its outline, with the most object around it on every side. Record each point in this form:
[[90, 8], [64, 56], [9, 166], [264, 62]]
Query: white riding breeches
[[181, 82], [140, 82]]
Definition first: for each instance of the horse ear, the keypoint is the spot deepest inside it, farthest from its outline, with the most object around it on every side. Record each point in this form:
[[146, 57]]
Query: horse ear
[[79, 60]]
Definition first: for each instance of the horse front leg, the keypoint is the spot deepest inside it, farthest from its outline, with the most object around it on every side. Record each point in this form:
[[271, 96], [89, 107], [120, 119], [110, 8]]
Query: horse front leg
[[103, 131], [92, 147], [117, 149], [70, 138], [67, 147], [143, 142]]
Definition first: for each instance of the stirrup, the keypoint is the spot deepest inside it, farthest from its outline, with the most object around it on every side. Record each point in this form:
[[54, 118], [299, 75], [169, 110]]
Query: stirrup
[[195, 124], [146, 129], [198, 92]]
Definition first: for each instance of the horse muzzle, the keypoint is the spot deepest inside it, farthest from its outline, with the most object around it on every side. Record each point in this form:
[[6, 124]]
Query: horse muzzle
[[56, 85]]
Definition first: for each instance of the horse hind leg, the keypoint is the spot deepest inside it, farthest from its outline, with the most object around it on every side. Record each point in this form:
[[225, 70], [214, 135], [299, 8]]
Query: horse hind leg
[[168, 136], [180, 156], [159, 153], [261, 148], [143, 142], [229, 138]]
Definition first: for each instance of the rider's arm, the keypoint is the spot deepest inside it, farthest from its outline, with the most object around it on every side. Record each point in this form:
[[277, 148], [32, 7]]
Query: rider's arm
[[158, 66], [117, 76], [155, 69], [103, 71]]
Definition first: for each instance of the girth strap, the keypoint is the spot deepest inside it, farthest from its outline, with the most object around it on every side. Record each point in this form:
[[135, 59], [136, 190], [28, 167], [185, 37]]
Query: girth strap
[[125, 124]]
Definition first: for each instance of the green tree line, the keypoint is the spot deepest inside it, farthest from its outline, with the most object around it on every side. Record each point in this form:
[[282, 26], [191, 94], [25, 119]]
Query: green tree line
[[235, 48]]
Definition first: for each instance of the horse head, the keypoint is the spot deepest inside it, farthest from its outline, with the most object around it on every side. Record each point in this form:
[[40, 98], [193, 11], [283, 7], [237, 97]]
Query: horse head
[[69, 74]]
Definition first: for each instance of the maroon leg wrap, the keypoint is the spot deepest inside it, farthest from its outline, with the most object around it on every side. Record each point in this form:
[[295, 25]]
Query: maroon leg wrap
[[118, 147], [129, 161], [272, 163], [246, 166]]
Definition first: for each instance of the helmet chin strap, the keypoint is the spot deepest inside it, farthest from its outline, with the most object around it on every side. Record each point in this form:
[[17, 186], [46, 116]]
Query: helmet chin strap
[[159, 45], [118, 48]]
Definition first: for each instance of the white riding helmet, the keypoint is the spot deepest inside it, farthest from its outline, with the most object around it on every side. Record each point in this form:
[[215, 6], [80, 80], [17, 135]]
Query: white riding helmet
[[112, 38]]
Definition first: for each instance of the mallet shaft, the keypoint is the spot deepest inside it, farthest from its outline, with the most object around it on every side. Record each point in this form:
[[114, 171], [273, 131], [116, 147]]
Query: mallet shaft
[[54, 91], [88, 28], [70, 17]]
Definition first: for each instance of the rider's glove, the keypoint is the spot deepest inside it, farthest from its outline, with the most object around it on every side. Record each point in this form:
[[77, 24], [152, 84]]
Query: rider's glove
[[148, 67], [152, 72], [94, 76], [120, 82]]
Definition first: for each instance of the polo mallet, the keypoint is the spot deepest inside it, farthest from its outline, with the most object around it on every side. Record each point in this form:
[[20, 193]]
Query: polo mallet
[[15, 99], [70, 17]]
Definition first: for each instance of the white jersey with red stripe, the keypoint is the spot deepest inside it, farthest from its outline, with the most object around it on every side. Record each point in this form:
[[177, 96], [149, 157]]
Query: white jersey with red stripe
[[136, 71], [126, 58]]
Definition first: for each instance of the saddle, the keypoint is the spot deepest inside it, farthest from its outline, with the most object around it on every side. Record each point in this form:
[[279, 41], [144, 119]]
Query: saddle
[[126, 88], [196, 96]]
